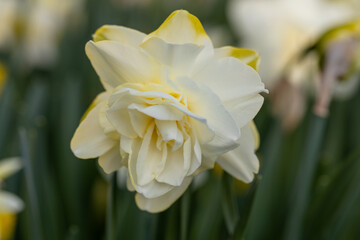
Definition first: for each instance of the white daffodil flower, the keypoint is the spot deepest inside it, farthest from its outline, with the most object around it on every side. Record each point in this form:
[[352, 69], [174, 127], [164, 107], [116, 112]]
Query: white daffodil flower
[[10, 204], [282, 29], [172, 107], [8, 11], [44, 24]]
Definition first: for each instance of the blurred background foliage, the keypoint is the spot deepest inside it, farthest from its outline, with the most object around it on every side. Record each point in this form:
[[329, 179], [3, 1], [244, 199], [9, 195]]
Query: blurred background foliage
[[307, 187]]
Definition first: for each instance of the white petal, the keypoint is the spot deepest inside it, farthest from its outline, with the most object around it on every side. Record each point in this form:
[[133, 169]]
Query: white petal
[[168, 129], [178, 141], [230, 79], [177, 165], [203, 101], [244, 109], [139, 121], [111, 161], [120, 119], [124, 35], [104, 122], [163, 202], [129, 184], [148, 158], [242, 162], [196, 157], [126, 143], [9, 166], [179, 57], [247, 56], [152, 189], [160, 112], [89, 140], [116, 63], [169, 100], [10, 203]]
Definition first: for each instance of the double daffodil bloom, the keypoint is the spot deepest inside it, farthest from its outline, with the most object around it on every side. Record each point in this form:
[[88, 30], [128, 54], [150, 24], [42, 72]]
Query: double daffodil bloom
[[9, 203], [281, 30], [172, 107]]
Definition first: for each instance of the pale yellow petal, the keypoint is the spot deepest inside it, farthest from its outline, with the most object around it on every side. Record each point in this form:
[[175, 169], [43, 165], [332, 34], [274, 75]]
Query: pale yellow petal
[[9, 166], [111, 161], [124, 35], [244, 109], [10, 203], [116, 63], [247, 56], [242, 162], [177, 165], [89, 140], [163, 202], [182, 27], [207, 104], [179, 58], [153, 188]]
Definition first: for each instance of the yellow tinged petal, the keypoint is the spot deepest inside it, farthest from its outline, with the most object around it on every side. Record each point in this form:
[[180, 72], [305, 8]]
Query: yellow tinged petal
[[101, 97], [247, 56], [124, 35], [89, 140], [117, 63], [242, 162], [351, 29], [182, 27], [255, 133], [10, 203], [161, 203], [111, 161], [9, 166]]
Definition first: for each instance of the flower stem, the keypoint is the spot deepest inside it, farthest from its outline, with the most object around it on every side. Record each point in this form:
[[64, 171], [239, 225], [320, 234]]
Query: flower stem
[[185, 207], [111, 209]]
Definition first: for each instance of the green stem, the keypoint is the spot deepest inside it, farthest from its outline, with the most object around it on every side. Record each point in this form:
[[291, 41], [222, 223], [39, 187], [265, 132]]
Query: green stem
[[111, 209], [185, 207]]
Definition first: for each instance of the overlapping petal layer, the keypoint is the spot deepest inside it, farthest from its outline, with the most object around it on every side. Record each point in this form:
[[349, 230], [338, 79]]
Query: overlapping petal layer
[[173, 106]]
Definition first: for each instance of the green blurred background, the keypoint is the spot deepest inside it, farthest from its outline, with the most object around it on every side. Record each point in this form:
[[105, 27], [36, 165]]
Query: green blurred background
[[307, 187]]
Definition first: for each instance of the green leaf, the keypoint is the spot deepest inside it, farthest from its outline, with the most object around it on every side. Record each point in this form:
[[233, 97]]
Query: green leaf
[[229, 204], [36, 224], [305, 178]]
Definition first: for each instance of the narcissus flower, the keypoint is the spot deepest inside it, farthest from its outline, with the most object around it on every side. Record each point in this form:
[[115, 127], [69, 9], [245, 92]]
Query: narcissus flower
[[7, 22], [281, 30], [172, 107], [44, 24], [9, 203]]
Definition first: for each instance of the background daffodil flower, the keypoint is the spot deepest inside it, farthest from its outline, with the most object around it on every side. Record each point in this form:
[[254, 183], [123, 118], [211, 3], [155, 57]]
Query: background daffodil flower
[[172, 107], [33, 29], [7, 22], [281, 30], [9, 203]]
